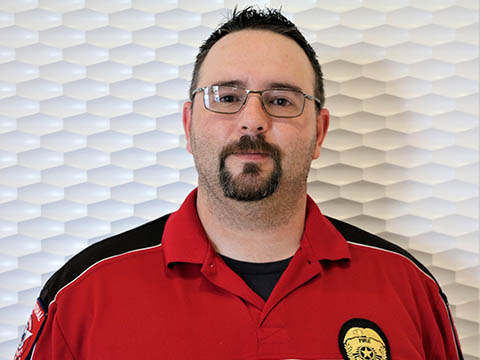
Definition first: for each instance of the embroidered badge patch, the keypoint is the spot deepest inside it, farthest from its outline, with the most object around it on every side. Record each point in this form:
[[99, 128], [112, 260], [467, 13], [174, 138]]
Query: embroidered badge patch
[[361, 339], [30, 332]]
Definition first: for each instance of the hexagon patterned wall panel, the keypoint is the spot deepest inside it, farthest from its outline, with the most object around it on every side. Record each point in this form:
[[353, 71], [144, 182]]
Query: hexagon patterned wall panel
[[91, 140]]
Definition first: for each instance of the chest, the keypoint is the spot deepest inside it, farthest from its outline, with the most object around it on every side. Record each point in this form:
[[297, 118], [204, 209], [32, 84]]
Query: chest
[[199, 319]]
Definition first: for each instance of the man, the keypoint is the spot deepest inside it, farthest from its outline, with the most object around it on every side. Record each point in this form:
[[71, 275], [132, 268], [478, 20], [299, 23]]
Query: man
[[248, 268]]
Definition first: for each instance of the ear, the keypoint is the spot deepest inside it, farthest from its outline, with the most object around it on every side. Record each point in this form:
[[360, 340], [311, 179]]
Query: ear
[[187, 121], [323, 120]]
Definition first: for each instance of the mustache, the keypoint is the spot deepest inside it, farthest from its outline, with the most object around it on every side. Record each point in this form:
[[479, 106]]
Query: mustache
[[249, 143]]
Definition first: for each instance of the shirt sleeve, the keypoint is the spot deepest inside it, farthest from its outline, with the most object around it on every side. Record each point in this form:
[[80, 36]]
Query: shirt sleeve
[[444, 343], [43, 338]]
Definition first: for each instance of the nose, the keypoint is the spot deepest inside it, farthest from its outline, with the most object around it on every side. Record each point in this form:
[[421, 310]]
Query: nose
[[253, 119]]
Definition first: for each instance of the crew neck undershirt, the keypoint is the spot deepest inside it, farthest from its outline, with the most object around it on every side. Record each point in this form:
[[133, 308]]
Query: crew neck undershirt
[[260, 277]]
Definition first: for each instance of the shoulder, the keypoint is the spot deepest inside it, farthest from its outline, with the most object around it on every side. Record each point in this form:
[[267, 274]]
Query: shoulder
[[398, 266], [144, 237], [365, 242]]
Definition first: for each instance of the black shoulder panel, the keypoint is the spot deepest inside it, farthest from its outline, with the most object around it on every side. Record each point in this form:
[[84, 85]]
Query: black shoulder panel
[[358, 236], [144, 236]]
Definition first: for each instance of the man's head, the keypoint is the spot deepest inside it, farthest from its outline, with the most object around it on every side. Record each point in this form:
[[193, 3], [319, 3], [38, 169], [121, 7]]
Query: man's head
[[253, 124], [268, 19]]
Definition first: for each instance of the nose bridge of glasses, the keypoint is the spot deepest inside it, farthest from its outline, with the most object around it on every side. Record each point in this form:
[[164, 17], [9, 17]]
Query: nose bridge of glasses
[[257, 92]]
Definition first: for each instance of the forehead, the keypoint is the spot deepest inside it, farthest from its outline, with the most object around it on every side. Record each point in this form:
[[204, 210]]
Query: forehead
[[257, 58]]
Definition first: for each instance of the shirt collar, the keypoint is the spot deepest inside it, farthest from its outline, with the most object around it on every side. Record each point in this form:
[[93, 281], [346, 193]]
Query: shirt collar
[[322, 237], [185, 241]]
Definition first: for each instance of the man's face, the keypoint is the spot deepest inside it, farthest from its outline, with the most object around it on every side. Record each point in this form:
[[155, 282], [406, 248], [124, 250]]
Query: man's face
[[250, 155]]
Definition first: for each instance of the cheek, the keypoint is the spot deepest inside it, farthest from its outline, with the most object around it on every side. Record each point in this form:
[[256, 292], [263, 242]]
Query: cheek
[[300, 151], [294, 139], [210, 132], [205, 145]]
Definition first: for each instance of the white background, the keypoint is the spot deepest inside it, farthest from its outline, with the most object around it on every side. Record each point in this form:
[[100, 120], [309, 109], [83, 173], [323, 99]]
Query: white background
[[91, 141]]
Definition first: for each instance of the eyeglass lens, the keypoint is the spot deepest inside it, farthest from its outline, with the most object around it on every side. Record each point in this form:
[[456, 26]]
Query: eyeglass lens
[[277, 102]]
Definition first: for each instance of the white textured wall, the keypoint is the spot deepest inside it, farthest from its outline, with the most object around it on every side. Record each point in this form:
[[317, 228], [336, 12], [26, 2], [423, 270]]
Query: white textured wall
[[91, 140]]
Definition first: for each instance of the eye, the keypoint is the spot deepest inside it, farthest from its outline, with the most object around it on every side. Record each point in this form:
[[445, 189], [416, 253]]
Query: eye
[[281, 98], [228, 98], [280, 101]]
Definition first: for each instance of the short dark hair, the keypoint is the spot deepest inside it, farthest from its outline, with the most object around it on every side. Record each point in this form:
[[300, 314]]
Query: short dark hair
[[261, 19]]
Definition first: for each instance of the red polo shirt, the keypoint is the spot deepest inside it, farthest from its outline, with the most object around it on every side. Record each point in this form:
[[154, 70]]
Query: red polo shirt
[[144, 295]]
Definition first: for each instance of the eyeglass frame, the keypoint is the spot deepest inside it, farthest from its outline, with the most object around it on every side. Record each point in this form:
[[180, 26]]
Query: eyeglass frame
[[247, 92]]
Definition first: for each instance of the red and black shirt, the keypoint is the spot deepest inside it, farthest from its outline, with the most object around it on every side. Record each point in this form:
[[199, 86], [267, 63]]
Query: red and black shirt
[[160, 291]]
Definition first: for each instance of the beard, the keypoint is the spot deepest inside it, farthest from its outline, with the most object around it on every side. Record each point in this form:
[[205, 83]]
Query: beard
[[249, 185]]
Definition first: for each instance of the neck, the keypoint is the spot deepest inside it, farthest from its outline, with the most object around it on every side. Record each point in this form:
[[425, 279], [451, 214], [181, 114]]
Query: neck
[[256, 231]]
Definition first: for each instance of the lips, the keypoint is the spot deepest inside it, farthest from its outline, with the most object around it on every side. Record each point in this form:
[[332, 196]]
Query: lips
[[251, 153], [251, 156]]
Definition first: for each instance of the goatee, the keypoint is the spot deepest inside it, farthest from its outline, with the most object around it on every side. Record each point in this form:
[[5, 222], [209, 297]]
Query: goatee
[[248, 185]]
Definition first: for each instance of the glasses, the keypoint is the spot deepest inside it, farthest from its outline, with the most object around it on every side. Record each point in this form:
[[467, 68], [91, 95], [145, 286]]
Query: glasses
[[281, 103]]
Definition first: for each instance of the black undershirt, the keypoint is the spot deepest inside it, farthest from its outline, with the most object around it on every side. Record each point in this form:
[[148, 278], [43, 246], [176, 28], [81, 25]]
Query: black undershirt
[[260, 277]]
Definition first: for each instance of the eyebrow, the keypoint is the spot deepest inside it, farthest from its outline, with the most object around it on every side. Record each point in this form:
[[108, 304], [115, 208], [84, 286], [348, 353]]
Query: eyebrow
[[283, 85], [232, 83], [272, 85]]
